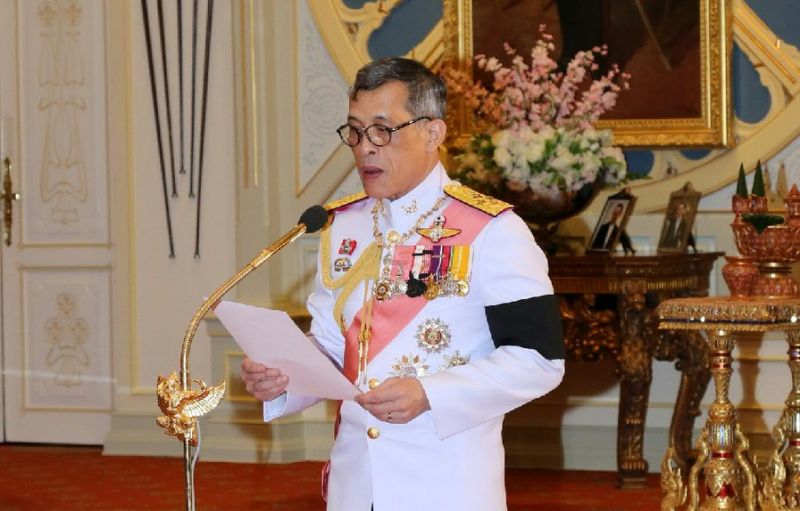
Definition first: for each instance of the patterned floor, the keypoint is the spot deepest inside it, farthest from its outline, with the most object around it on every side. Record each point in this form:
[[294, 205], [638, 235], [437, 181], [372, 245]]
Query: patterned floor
[[80, 478]]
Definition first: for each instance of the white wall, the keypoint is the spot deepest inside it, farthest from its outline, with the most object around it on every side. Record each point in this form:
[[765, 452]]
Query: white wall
[[159, 295]]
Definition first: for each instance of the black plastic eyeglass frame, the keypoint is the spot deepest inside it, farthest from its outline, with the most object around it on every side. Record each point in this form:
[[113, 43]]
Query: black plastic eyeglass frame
[[361, 131]]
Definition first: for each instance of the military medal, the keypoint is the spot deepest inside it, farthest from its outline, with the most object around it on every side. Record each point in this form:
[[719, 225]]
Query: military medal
[[382, 290], [454, 360], [431, 289], [409, 366], [449, 287], [342, 264], [433, 335], [459, 270], [347, 247], [438, 231]]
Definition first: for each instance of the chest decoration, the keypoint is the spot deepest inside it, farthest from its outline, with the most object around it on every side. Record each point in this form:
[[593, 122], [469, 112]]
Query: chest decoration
[[409, 366], [438, 231], [430, 271], [456, 359], [347, 247], [433, 335], [342, 264]]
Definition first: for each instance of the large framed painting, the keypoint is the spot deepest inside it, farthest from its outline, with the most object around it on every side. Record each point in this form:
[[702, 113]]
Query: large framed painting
[[676, 51]]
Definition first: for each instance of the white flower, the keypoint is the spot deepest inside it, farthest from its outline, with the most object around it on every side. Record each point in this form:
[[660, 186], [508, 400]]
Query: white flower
[[502, 157], [501, 138]]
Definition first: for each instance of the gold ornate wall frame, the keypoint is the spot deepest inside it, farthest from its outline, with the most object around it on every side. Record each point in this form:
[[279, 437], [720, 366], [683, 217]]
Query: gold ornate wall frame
[[346, 33], [711, 128], [776, 62]]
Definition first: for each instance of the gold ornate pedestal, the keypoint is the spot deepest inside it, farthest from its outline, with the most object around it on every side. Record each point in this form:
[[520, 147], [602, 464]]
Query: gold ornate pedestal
[[730, 480]]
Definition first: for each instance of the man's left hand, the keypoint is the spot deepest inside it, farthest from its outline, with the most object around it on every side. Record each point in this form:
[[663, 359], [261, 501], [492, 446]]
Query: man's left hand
[[396, 400]]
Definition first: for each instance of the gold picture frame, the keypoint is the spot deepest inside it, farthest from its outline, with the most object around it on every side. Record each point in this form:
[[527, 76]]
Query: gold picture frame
[[710, 127], [676, 229], [612, 222]]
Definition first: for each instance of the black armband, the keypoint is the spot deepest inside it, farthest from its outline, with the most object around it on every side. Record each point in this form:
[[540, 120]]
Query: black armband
[[533, 323]]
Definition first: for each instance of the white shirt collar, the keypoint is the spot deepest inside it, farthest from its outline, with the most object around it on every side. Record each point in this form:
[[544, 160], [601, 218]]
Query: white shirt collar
[[401, 214]]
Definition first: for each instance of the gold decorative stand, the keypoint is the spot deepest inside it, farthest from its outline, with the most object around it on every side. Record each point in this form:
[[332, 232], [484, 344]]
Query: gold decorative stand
[[780, 485], [730, 479], [181, 404]]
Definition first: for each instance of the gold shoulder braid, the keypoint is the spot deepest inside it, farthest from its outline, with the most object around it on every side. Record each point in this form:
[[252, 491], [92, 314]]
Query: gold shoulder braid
[[345, 201], [477, 200], [365, 269]]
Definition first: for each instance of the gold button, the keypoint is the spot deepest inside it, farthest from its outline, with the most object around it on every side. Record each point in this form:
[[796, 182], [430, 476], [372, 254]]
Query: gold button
[[373, 382], [373, 432], [393, 236]]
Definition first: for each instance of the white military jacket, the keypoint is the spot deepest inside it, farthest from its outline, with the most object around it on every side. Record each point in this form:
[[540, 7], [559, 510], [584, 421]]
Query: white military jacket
[[451, 457]]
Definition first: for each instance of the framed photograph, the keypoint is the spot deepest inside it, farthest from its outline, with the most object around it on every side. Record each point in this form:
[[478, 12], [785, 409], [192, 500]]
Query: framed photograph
[[679, 219], [676, 51], [612, 222]]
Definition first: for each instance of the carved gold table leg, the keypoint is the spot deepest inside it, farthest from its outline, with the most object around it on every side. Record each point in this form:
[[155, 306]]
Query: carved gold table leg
[[780, 485], [691, 351], [729, 474], [636, 374]]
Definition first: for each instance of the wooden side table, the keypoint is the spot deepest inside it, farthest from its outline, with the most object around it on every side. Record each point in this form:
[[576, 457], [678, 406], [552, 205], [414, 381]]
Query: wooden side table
[[730, 479], [626, 331]]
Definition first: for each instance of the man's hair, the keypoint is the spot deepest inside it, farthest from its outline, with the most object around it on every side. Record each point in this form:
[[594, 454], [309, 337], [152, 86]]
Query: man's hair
[[427, 93]]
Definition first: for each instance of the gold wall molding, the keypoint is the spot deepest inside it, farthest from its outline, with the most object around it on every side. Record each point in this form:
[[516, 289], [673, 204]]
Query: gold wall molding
[[346, 33]]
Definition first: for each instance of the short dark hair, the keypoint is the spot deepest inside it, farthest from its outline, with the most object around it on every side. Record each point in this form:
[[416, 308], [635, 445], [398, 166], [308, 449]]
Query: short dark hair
[[427, 93]]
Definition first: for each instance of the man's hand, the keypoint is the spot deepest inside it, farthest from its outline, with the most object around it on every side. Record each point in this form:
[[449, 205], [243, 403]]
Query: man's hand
[[264, 383], [396, 400]]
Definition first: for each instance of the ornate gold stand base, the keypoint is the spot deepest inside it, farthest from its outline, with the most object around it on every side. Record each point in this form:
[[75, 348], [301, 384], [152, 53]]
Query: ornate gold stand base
[[729, 475], [729, 479], [780, 478]]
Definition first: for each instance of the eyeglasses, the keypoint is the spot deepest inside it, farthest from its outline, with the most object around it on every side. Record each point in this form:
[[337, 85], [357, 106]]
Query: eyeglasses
[[378, 134]]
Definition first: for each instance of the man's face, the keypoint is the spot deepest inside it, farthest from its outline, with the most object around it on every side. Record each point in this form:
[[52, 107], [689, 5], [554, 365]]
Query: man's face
[[392, 170], [680, 209], [617, 212]]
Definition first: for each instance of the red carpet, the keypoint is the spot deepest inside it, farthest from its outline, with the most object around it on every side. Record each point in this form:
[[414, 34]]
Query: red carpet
[[80, 478]]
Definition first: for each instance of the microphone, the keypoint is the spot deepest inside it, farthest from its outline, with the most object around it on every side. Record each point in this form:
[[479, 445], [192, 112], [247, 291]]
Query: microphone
[[314, 218]]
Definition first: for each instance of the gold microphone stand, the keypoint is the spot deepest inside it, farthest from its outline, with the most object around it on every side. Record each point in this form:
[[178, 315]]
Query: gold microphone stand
[[181, 404]]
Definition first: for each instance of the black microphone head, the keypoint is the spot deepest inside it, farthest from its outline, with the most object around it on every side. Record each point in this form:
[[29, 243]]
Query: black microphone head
[[314, 218]]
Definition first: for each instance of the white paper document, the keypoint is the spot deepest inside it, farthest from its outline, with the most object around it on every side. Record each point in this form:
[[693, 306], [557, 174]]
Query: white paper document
[[271, 338]]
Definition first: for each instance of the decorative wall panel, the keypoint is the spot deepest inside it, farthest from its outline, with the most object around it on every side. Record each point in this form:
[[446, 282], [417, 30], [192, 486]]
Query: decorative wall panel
[[63, 127], [322, 99], [66, 338]]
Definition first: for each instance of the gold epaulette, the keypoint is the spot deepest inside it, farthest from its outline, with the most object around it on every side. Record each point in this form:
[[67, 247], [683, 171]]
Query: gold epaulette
[[345, 201], [477, 200]]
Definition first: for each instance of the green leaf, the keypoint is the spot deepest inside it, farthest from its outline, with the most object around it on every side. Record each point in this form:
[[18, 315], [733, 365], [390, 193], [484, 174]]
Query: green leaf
[[758, 182], [761, 221], [741, 183]]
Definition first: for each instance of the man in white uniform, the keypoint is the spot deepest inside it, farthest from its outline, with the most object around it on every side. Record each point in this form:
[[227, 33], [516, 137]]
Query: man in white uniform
[[435, 300]]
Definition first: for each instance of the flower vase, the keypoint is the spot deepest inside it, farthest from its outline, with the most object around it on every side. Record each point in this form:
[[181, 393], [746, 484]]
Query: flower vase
[[741, 274], [543, 212]]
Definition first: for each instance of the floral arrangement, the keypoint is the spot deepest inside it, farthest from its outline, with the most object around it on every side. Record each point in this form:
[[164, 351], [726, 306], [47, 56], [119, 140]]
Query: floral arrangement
[[534, 127]]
